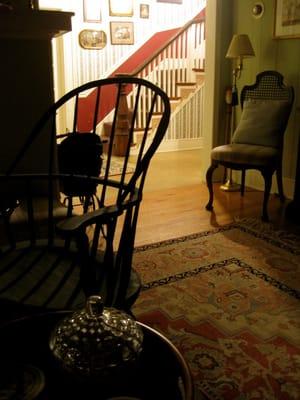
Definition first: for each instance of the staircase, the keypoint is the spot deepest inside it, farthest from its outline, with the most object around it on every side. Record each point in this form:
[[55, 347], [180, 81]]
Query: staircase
[[177, 66], [186, 89]]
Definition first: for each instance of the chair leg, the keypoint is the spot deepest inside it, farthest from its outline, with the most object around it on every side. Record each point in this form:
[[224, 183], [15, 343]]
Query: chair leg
[[243, 182], [69, 202], [225, 175], [209, 183], [267, 174], [279, 184], [86, 202]]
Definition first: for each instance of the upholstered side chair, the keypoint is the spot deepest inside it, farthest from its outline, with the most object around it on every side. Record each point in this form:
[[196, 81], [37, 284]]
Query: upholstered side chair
[[257, 142]]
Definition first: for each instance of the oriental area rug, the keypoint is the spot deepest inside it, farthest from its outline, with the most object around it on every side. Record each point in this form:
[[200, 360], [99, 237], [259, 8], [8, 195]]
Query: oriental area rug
[[116, 166], [229, 299]]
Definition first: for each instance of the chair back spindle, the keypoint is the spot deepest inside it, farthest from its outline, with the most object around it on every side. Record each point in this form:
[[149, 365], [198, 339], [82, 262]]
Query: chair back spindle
[[69, 232]]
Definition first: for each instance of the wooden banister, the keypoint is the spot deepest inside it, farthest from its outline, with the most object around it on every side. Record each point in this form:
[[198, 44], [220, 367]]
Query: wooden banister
[[165, 45]]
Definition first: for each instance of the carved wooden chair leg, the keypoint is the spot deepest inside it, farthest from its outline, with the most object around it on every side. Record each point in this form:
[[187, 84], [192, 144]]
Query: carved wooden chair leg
[[243, 182], [225, 175], [279, 184], [267, 174], [209, 183]]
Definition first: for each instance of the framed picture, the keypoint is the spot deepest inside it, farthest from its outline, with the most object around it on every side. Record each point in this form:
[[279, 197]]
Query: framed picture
[[169, 1], [92, 39], [287, 19], [91, 11], [121, 32], [121, 8], [144, 10]]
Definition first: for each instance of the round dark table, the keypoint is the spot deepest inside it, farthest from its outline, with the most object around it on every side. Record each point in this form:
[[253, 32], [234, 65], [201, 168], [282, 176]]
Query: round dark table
[[161, 372]]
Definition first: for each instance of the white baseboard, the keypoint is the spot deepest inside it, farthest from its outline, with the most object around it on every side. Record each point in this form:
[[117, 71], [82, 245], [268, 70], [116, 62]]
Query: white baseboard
[[175, 145], [180, 144], [256, 181]]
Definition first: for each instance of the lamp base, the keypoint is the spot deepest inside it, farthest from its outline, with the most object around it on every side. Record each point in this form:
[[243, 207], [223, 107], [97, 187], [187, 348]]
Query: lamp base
[[230, 186]]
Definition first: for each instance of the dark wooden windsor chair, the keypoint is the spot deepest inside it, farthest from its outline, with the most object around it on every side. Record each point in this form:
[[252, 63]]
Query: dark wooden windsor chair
[[257, 142], [50, 257]]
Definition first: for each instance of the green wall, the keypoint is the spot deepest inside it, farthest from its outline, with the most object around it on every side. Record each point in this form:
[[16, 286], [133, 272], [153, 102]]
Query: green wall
[[282, 55]]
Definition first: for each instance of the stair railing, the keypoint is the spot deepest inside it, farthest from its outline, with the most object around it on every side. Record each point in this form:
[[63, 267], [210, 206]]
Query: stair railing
[[187, 45], [173, 65]]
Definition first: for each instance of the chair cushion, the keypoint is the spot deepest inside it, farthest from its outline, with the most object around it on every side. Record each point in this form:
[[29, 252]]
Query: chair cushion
[[246, 154], [262, 122]]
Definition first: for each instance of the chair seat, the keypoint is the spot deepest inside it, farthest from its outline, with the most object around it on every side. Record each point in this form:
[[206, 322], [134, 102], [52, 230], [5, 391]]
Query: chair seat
[[246, 154], [48, 277], [40, 276]]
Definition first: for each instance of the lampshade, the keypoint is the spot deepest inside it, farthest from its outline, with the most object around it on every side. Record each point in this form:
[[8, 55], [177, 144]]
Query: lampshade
[[240, 46]]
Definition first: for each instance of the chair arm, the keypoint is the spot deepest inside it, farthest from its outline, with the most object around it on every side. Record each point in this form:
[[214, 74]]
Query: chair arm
[[77, 223]]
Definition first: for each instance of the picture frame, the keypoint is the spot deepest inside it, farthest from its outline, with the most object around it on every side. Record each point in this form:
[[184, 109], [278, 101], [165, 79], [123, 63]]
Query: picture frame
[[91, 11], [122, 8], [144, 10], [92, 39], [121, 32], [170, 1], [286, 19]]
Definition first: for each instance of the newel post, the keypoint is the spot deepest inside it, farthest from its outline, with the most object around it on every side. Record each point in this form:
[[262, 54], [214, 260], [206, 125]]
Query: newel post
[[122, 123]]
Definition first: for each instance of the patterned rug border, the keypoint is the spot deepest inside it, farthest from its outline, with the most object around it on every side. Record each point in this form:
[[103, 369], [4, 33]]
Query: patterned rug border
[[262, 230], [214, 266]]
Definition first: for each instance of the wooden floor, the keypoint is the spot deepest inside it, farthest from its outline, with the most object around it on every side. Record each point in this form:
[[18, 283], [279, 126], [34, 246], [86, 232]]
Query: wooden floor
[[175, 198]]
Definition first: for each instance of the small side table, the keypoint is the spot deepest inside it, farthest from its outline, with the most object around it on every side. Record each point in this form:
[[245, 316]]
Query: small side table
[[26, 361]]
